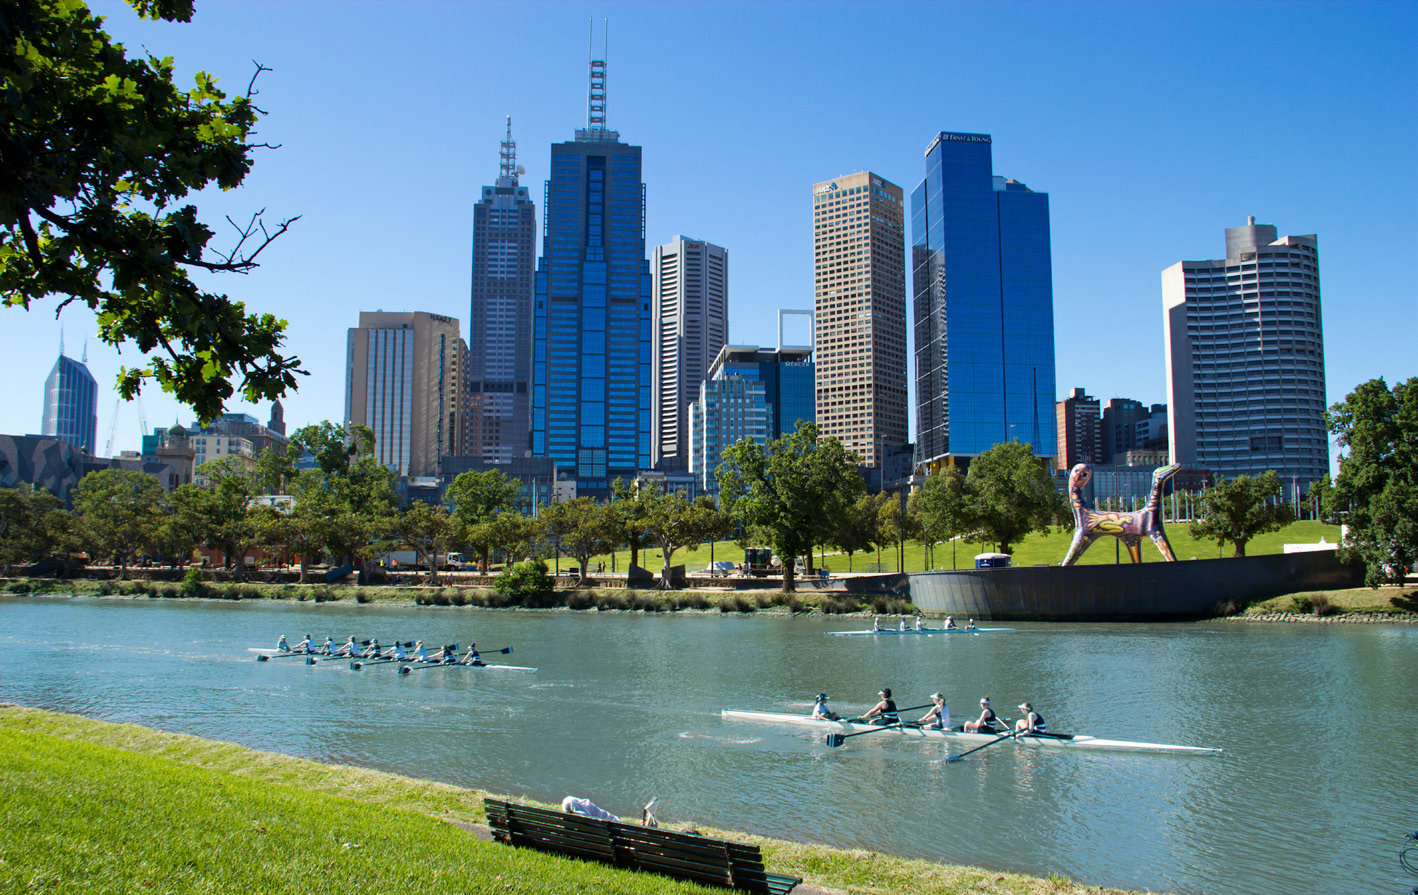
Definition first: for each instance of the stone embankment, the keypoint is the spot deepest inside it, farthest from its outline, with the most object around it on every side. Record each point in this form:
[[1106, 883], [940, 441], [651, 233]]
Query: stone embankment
[[1339, 618]]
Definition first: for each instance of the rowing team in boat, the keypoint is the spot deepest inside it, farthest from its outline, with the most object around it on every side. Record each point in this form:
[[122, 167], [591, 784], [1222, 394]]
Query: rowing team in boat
[[370, 649], [937, 718], [950, 624]]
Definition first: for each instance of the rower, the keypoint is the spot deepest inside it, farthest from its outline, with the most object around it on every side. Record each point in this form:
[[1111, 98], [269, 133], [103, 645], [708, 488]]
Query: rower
[[350, 648], [1031, 723], [373, 650], [398, 651], [282, 646], [950, 623], [328, 647], [471, 657], [986, 721], [938, 718], [420, 652], [305, 646], [903, 624], [875, 624], [971, 625], [820, 711], [920, 624], [883, 712]]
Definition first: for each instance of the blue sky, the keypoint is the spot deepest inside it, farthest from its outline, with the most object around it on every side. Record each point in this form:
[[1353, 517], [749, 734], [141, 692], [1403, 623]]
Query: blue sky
[[1152, 126]]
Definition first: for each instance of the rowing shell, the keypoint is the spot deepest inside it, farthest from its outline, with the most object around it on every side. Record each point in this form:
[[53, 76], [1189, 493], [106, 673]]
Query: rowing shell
[[887, 631], [431, 665], [1043, 741]]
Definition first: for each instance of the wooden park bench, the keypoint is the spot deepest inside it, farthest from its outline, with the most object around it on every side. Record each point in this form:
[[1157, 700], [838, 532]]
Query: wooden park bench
[[713, 862]]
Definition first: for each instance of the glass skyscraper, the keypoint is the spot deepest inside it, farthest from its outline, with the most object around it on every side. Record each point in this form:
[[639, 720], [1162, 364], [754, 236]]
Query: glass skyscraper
[[984, 307], [70, 397], [591, 323], [500, 319]]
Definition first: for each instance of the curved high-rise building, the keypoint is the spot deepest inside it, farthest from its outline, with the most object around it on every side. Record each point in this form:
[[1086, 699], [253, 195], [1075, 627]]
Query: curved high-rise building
[[70, 395], [1245, 358], [689, 314]]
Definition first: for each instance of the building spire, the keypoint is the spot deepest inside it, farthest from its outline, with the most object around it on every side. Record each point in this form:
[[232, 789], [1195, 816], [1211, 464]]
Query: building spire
[[507, 174], [61, 341], [596, 96]]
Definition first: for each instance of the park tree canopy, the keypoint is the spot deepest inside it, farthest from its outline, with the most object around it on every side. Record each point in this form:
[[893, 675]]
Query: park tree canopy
[[97, 153], [1376, 492]]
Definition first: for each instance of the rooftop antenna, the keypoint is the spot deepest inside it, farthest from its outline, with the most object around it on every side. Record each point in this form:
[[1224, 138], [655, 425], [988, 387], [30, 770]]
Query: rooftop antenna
[[85, 359], [61, 341], [596, 97], [509, 170]]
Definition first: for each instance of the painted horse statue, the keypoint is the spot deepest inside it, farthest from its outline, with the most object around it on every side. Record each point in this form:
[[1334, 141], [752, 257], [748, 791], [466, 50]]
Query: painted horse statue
[[1090, 525]]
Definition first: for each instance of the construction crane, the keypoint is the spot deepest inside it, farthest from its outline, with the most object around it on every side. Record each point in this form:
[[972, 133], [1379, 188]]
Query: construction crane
[[113, 425]]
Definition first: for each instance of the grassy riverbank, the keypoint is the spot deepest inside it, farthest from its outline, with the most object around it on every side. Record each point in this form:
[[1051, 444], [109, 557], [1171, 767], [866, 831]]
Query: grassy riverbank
[[108, 808]]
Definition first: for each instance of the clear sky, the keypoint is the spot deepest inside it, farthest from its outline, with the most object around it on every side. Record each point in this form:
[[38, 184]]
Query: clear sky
[[1152, 126]]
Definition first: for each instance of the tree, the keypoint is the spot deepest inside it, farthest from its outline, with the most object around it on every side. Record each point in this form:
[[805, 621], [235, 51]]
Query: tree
[[789, 488], [186, 523], [29, 526], [943, 506], [1010, 495], [582, 528], [512, 533], [857, 529], [429, 530], [97, 152], [894, 525], [1376, 492], [231, 527], [674, 522], [1237, 510], [629, 502], [476, 497], [120, 511]]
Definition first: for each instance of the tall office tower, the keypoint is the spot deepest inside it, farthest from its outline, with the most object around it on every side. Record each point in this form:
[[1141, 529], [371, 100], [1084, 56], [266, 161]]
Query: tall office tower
[[750, 392], [1079, 430], [984, 307], [70, 403], [405, 382], [591, 361], [689, 313], [1119, 427], [1245, 357], [859, 296], [500, 320]]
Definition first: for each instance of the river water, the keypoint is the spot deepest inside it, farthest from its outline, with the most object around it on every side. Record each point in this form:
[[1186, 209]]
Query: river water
[[1314, 792]]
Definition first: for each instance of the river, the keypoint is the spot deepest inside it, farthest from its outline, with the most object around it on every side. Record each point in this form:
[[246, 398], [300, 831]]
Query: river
[[1314, 792]]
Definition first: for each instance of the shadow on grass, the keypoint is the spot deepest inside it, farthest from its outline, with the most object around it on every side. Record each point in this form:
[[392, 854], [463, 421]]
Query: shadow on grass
[[1407, 602]]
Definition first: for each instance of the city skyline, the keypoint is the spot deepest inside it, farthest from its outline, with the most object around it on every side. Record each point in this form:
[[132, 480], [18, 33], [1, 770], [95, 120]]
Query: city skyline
[[1131, 190]]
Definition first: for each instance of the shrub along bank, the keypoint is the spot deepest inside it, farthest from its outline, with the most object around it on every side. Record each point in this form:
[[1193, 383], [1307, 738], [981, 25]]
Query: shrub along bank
[[109, 808]]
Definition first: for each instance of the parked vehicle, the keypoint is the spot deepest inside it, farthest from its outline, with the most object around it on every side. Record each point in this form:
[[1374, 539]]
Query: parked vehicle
[[456, 563]]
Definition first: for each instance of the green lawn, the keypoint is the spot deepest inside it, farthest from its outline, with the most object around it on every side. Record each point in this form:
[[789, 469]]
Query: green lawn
[[106, 808], [1036, 549]]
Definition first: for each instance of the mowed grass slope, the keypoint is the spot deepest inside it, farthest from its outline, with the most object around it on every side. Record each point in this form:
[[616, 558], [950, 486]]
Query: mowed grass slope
[[103, 808]]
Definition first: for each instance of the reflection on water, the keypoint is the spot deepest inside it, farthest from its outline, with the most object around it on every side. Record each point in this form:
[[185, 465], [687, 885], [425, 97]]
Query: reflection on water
[[1313, 793]]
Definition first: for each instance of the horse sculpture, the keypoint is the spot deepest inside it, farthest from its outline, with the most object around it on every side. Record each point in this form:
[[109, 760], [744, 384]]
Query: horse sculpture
[[1090, 525]]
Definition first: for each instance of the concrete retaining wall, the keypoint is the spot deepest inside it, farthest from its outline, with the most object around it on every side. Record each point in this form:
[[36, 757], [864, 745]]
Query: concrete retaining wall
[[1159, 590]]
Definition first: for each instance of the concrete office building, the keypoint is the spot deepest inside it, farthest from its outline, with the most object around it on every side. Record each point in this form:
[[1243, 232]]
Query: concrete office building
[[984, 308], [859, 300], [70, 398], [500, 317], [1245, 358], [405, 375], [1079, 430], [689, 314], [591, 378]]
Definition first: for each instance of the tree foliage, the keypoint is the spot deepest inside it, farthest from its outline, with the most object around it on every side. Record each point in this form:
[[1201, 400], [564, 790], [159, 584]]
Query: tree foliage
[[98, 152], [32, 521], [791, 488], [857, 529], [1376, 492], [582, 528], [231, 525], [430, 531], [1009, 494], [119, 512], [672, 522], [477, 498], [1236, 510]]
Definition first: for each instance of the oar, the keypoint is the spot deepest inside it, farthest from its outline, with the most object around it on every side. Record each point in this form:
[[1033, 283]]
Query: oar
[[835, 739], [423, 666], [909, 708], [1008, 736]]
